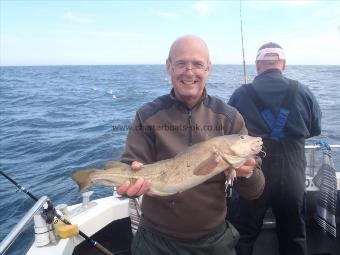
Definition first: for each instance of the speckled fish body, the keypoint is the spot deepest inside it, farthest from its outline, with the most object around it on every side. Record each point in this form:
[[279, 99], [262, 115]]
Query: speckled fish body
[[189, 168]]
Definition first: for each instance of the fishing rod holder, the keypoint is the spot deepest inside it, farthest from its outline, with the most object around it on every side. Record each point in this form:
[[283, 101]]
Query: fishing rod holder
[[21, 225], [86, 204]]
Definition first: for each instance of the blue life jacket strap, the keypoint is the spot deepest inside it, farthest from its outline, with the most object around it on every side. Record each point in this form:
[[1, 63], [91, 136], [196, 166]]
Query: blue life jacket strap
[[268, 117], [275, 124], [281, 120]]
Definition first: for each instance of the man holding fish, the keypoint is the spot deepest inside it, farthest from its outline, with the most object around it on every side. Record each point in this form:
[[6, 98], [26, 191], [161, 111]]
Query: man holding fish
[[192, 221]]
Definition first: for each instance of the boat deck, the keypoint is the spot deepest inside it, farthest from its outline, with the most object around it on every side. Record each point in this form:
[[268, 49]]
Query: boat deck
[[117, 236]]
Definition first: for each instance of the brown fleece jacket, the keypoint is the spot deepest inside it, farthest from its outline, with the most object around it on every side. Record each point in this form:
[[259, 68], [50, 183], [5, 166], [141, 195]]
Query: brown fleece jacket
[[162, 129]]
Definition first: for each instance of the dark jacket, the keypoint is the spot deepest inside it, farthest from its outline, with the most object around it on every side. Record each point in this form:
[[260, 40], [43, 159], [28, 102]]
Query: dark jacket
[[162, 129], [304, 119]]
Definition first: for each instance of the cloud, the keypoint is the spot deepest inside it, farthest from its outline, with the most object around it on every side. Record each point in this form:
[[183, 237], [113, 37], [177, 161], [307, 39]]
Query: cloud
[[163, 14], [203, 8], [76, 17], [322, 48]]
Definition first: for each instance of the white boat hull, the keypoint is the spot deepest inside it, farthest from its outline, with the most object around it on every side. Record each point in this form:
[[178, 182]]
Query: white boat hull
[[108, 209]]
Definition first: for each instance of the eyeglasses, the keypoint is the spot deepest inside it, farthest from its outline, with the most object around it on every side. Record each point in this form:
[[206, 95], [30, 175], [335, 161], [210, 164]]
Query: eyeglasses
[[183, 66]]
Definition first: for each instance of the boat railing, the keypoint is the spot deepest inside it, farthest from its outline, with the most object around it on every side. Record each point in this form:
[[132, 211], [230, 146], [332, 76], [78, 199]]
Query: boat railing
[[314, 158], [20, 226], [314, 162], [314, 146]]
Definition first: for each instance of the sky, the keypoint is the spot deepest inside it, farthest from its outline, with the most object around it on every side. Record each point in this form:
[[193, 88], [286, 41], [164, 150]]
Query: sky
[[107, 32]]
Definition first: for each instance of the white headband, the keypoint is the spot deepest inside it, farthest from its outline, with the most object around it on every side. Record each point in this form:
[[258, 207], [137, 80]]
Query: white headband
[[267, 54]]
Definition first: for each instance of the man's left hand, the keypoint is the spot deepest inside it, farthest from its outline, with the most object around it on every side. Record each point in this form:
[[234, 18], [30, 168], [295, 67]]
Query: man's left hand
[[247, 169]]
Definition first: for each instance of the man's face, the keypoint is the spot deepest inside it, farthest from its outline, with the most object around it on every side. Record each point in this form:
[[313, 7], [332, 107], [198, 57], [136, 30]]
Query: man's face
[[189, 67]]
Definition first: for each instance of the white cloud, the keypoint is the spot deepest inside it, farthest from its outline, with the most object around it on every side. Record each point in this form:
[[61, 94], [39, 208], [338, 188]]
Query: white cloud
[[164, 14], [203, 8], [76, 17], [317, 49]]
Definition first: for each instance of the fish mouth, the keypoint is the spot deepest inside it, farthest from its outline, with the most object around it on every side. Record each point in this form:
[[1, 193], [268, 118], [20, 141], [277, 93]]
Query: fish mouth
[[257, 146]]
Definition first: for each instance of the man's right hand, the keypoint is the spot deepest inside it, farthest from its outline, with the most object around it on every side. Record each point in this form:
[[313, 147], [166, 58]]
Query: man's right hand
[[139, 188]]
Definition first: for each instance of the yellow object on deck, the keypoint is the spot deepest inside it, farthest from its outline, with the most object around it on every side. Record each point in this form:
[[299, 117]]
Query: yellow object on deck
[[65, 231]]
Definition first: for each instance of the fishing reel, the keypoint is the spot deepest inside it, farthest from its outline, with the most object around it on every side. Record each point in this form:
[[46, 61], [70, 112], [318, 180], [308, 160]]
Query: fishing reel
[[49, 212]]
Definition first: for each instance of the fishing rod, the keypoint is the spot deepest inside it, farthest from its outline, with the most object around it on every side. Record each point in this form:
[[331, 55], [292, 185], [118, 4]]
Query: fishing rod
[[244, 61], [52, 210]]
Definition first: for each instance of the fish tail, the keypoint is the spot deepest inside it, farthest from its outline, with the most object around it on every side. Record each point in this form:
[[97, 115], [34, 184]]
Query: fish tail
[[83, 179]]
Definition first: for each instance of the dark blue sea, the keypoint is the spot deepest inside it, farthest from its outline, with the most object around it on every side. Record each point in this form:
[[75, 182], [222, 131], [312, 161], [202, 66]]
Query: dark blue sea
[[58, 119]]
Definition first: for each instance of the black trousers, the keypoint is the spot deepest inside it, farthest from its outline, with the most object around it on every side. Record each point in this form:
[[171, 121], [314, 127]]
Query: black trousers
[[284, 171], [221, 242]]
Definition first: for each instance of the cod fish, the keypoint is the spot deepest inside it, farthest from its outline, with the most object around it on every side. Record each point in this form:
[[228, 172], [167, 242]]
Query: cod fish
[[189, 168]]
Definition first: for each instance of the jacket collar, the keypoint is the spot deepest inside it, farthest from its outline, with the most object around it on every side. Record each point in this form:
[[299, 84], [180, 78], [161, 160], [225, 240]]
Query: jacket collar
[[203, 97], [272, 71], [269, 74]]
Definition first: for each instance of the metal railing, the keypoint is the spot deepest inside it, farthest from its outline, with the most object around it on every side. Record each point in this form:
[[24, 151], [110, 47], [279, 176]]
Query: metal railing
[[318, 146], [20, 226]]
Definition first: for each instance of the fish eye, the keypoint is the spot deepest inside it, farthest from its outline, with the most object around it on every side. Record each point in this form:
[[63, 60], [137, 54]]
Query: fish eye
[[242, 137]]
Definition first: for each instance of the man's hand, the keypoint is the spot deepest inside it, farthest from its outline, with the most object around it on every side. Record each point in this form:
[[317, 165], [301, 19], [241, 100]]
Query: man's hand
[[139, 188], [247, 169]]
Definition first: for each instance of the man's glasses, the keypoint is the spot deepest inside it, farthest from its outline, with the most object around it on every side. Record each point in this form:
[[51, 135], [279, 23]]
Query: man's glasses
[[196, 66]]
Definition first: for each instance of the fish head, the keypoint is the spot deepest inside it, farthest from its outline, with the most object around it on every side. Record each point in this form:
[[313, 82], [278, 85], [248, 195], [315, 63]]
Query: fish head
[[244, 146]]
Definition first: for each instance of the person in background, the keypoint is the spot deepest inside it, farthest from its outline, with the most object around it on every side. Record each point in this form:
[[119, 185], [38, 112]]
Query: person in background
[[284, 113], [191, 222]]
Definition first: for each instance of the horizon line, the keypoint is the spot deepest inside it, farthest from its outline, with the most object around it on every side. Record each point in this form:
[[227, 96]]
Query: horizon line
[[46, 65]]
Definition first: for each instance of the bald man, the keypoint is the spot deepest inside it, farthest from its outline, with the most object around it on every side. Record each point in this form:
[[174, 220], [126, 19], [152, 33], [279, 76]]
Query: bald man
[[191, 222], [284, 113]]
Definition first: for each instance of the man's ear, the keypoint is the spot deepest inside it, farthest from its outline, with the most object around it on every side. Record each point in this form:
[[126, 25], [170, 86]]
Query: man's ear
[[168, 66], [209, 66], [283, 65], [257, 67]]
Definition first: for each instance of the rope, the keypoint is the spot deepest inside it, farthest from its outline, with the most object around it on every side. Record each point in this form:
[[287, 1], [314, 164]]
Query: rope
[[323, 145]]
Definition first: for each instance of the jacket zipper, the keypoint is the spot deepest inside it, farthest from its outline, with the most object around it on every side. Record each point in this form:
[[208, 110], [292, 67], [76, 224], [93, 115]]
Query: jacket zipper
[[190, 127]]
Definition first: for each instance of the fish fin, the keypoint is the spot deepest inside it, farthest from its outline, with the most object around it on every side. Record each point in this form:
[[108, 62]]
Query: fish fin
[[113, 164], [208, 165], [153, 192], [82, 178], [230, 175], [233, 161]]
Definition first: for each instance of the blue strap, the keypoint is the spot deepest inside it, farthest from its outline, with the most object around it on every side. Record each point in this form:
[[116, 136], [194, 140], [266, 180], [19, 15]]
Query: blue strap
[[269, 118], [276, 125], [277, 130]]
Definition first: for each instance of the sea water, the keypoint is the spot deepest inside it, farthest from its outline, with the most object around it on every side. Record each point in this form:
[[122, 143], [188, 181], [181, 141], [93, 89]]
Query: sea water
[[58, 119]]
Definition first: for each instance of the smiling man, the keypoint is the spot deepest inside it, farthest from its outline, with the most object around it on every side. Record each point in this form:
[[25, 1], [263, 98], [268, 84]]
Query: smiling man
[[191, 222], [188, 65]]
